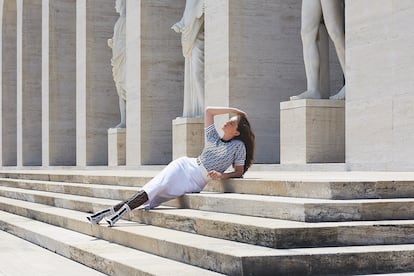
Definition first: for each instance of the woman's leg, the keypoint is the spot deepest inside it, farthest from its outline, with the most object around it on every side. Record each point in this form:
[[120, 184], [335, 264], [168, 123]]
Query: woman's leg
[[97, 217], [134, 202], [155, 186], [171, 182]]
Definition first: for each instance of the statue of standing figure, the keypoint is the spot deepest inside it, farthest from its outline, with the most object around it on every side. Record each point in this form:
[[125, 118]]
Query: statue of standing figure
[[333, 16], [118, 45], [191, 27]]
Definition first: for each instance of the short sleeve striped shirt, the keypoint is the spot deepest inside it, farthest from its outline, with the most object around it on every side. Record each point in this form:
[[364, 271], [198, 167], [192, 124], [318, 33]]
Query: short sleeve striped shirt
[[219, 155]]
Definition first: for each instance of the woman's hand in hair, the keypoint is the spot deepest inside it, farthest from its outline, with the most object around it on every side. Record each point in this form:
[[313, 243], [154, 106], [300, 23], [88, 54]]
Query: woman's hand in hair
[[212, 111]]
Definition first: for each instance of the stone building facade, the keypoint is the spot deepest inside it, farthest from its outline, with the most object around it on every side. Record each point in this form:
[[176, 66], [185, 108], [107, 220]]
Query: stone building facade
[[58, 98]]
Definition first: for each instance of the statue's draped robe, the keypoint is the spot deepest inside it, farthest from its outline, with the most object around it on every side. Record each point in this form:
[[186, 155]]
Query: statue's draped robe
[[118, 55], [191, 27]]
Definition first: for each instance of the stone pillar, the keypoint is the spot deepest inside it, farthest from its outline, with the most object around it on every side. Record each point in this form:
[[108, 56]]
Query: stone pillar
[[155, 79], [116, 146], [29, 82], [312, 131], [188, 137], [254, 61], [96, 98], [59, 82], [8, 93]]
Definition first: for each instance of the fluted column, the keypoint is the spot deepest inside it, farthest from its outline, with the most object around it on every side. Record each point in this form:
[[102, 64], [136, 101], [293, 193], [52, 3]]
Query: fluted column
[[155, 77], [8, 41], [59, 82], [96, 98], [29, 82]]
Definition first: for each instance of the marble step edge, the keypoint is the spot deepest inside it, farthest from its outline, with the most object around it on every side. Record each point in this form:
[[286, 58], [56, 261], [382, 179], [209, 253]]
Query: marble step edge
[[329, 188], [208, 253], [99, 254], [309, 261], [257, 231], [297, 209]]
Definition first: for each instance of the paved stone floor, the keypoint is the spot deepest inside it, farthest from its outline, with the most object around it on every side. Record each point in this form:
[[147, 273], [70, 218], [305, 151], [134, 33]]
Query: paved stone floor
[[21, 258]]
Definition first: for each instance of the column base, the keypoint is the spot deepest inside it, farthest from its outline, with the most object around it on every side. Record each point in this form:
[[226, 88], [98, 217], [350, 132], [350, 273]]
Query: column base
[[312, 131], [188, 137], [116, 146]]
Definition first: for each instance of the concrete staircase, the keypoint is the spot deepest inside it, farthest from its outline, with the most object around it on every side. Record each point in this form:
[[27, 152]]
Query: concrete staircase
[[265, 224]]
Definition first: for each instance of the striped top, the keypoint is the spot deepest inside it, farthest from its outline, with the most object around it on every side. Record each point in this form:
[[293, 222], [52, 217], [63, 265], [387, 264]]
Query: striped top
[[219, 155]]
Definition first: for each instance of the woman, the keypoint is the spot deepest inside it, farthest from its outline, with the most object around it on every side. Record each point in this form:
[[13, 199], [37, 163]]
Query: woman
[[190, 175]]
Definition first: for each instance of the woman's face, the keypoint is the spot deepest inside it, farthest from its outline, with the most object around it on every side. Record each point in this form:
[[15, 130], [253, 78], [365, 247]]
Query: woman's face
[[230, 127]]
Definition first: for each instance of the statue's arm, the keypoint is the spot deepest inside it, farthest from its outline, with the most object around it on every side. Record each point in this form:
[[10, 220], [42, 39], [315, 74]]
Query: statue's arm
[[178, 27], [110, 43]]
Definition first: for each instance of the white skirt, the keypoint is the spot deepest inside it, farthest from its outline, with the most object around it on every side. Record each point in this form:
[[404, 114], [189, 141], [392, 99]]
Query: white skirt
[[181, 176]]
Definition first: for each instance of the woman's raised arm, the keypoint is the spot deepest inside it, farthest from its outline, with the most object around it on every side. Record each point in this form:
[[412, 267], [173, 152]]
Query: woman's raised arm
[[212, 111]]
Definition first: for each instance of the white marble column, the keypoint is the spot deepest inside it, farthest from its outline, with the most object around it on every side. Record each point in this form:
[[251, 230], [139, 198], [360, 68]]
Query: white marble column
[[59, 82], [29, 82], [155, 77], [96, 97], [8, 58]]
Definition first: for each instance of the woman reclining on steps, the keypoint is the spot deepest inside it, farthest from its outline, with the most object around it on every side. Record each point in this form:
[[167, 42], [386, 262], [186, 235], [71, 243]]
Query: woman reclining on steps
[[190, 175]]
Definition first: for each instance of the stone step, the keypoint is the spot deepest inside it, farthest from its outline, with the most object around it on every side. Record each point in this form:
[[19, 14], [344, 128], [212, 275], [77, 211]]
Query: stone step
[[84, 189], [20, 257], [287, 208], [253, 230], [300, 209], [227, 257], [104, 256], [329, 186]]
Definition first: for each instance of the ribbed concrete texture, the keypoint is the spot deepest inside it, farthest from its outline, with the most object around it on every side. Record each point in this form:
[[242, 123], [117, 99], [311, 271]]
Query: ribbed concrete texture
[[295, 227]]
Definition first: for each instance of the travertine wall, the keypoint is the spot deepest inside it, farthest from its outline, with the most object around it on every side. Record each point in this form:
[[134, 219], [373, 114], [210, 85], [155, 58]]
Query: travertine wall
[[59, 113], [8, 88], [59, 82], [29, 86], [96, 97], [155, 79], [380, 84], [254, 61]]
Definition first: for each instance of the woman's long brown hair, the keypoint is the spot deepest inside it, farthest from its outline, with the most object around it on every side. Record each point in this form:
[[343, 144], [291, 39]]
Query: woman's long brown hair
[[248, 138]]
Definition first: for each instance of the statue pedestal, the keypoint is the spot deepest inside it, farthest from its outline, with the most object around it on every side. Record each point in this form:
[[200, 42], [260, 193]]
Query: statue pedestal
[[116, 146], [312, 131], [188, 137]]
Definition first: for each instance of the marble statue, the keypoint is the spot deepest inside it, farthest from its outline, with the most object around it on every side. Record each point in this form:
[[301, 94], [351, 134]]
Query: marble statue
[[118, 45], [313, 11], [191, 27]]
